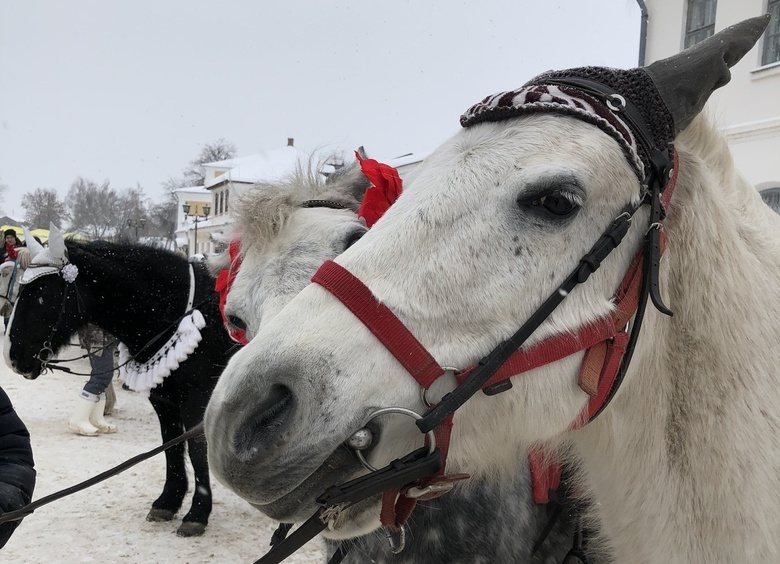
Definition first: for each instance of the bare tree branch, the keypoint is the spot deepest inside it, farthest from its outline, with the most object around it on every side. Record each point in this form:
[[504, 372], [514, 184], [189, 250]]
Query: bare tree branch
[[43, 206]]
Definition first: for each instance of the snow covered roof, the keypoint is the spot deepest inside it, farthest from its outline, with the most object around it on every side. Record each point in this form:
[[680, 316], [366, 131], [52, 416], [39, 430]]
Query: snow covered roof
[[192, 190], [265, 166], [407, 159]]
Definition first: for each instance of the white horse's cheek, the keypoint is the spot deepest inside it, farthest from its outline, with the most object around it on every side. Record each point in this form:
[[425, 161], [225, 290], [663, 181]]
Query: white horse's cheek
[[544, 403]]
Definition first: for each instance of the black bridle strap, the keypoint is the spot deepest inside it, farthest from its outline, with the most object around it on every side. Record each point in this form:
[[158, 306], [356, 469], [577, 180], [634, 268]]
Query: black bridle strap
[[398, 473], [196, 431], [323, 204], [11, 280], [74, 359], [48, 364], [491, 363], [132, 357]]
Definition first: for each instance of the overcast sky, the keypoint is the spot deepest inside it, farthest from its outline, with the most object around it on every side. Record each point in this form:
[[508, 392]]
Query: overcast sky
[[131, 90]]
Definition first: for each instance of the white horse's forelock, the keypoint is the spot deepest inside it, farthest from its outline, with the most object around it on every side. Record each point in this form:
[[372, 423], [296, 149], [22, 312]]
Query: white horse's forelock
[[265, 208]]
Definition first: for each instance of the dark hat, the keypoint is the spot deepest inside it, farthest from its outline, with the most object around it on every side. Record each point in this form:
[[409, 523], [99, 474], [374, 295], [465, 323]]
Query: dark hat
[[8, 232]]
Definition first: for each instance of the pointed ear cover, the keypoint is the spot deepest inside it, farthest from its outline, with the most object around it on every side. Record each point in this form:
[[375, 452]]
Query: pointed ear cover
[[34, 246], [56, 243], [686, 80]]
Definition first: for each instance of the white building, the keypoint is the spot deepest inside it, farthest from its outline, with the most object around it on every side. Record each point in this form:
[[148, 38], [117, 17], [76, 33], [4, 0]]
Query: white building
[[187, 236], [748, 109], [226, 180]]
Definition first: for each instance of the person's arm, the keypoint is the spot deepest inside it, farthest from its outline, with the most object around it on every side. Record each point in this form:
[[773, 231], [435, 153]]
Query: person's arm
[[17, 472]]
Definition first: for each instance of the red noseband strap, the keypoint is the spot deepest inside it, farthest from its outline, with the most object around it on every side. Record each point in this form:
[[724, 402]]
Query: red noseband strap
[[382, 322]]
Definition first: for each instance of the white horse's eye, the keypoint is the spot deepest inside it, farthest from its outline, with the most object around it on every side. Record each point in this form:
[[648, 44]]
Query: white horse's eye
[[353, 238], [553, 204], [556, 204], [237, 322]]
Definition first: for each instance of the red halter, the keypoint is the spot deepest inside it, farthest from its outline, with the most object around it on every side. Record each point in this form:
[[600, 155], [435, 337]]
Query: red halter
[[224, 282], [604, 342]]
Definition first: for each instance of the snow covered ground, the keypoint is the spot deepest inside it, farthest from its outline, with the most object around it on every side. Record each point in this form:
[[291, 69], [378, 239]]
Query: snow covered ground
[[106, 523]]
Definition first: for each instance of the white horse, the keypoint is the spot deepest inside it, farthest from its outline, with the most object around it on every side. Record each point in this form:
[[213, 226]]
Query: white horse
[[10, 274], [684, 462], [286, 230]]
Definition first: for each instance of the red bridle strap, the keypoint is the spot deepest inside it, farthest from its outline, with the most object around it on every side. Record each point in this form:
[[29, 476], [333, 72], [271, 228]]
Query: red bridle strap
[[382, 322], [407, 350]]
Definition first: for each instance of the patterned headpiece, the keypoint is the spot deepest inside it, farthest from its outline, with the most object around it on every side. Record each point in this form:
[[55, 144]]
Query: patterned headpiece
[[643, 109]]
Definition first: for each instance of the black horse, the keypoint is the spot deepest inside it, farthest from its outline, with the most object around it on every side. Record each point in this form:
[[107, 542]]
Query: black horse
[[139, 294]]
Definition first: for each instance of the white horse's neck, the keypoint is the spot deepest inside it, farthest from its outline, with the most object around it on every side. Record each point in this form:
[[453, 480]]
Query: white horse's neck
[[678, 461]]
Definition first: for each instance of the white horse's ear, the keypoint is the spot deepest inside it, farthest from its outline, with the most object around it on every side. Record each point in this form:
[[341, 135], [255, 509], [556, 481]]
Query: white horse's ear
[[34, 246], [56, 243]]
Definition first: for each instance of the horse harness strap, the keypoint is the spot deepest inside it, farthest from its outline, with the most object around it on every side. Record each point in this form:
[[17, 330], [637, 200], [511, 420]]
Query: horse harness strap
[[408, 469], [608, 346], [46, 353], [11, 281], [605, 342], [195, 433]]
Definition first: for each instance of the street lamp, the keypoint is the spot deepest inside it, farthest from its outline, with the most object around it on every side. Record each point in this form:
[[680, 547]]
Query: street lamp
[[206, 210], [136, 223]]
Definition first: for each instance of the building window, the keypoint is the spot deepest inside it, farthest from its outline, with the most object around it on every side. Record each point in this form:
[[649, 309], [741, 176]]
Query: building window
[[222, 202], [701, 21], [227, 194], [771, 52]]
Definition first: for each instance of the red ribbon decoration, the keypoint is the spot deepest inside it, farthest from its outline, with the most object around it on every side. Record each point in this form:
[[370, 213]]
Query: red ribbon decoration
[[387, 186], [224, 282]]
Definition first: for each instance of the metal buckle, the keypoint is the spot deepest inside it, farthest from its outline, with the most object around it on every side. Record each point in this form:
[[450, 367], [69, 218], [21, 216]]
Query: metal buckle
[[416, 492], [396, 547], [656, 225], [329, 515], [616, 103], [448, 371], [401, 411]]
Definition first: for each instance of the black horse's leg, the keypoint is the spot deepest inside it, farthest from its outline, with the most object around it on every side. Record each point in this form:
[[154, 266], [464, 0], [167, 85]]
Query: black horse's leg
[[195, 521], [169, 502]]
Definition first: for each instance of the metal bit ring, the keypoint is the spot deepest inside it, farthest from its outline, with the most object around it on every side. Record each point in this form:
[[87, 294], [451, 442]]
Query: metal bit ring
[[402, 411]]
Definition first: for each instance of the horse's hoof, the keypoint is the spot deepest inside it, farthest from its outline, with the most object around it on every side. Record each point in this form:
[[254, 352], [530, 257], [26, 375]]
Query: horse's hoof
[[157, 515], [191, 529]]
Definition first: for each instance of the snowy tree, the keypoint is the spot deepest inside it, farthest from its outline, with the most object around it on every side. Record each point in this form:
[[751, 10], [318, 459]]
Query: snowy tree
[[95, 210], [162, 219], [3, 189], [195, 174], [134, 209], [43, 206]]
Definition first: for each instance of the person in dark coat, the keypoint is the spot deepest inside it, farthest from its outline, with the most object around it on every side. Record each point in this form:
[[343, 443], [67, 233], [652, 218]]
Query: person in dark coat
[[9, 252], [17, 472], [10, 245]]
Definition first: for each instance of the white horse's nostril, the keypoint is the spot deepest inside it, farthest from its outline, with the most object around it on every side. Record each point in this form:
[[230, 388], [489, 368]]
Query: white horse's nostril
[[264, 423]]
